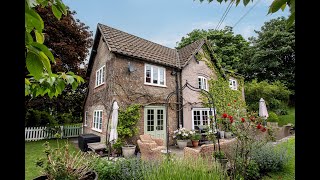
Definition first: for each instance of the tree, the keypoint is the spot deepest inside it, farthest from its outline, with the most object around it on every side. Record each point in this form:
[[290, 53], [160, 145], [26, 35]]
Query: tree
[[272, 55], [274, 7], [41, 80], [69, 41], [228, 48]]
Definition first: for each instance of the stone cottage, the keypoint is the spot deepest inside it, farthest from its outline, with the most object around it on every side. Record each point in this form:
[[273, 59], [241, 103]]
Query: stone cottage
[[129, 69]]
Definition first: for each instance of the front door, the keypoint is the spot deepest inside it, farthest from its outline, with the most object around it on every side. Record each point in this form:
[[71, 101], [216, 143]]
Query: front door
[[155, 121]]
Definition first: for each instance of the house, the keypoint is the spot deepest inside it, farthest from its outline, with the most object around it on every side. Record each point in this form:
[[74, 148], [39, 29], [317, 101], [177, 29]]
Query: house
[[129, 69]]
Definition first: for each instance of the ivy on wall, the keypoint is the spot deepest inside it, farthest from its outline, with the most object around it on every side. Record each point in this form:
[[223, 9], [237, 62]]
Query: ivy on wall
[[222, 94]]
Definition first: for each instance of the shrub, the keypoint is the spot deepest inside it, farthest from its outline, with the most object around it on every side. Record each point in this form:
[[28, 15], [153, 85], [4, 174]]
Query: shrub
[[270, 158], [273, 117], [60, 163], [36, 118], [252, 171], [185, 169], [122, 169], [128, 119], [275, 94]]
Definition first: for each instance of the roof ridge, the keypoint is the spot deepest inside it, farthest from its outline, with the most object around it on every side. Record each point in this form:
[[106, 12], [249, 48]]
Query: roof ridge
[[135, 36]]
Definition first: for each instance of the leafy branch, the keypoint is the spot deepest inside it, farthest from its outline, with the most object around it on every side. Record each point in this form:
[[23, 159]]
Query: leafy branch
[[41, 80]]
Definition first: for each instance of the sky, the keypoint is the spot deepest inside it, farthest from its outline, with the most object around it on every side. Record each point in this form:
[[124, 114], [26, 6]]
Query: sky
[[167, 21]]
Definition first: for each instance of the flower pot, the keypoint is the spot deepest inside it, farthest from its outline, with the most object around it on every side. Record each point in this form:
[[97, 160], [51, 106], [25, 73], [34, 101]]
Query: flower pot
[[223, 162], [182, 143], [128, 150], [221, 134], [227, 134], [195, 143]]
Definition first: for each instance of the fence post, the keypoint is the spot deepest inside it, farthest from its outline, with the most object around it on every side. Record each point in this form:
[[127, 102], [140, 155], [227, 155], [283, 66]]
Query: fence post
[[61, 127]]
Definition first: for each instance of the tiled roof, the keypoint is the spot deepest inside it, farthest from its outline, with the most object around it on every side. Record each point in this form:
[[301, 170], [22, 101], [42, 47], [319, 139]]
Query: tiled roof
[[186, 52], [130, 45]]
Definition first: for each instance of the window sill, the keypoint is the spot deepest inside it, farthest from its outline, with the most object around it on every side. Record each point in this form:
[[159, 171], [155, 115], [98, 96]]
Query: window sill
[[85, 125], [157, 85], [98, 130], [99, 85]]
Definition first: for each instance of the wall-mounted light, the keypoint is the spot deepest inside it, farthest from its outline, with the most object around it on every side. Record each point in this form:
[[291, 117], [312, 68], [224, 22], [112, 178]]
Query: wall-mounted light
[[131, 68]]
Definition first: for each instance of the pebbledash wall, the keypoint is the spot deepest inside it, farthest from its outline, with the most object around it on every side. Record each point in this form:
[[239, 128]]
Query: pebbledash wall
[[126, 88], [191, 99]]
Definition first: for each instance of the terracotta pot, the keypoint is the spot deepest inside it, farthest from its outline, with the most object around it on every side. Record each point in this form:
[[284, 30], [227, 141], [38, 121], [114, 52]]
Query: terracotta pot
[[195, 143]]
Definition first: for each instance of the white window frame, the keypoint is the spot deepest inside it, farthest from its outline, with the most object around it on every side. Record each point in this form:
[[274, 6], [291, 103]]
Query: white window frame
[[233, 84], [100, 76], [86, 118], [201, 119], [151, 78], [98, 114], [202, 80]]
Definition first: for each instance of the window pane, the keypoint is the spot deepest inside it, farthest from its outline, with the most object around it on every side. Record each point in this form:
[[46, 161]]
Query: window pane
[[161, 76], [97, 75], [103, 72], [148, 74], [155, 75], [205, 84], [199, 79]]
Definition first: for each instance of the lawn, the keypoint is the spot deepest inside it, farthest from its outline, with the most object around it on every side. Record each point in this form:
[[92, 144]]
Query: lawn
[[34, 150], [288, 173], [289, 118]]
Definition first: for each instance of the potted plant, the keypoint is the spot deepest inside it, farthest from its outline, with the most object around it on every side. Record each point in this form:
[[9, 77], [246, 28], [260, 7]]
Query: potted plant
[[128, 119], [221, 157], [182, 136], [211, 136], [60, 163], [195, 137]]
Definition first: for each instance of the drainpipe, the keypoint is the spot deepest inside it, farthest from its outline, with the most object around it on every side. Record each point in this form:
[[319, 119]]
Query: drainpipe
[[180, 99], [177, 96]]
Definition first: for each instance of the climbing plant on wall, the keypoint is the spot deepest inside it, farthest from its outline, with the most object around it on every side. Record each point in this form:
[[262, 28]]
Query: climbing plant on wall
[[219, 88]]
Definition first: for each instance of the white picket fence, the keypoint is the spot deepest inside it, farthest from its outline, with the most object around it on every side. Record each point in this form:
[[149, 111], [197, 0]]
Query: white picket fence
[[38, 133]]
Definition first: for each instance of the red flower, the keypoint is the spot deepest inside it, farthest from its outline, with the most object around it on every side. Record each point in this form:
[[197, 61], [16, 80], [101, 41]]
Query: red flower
[[252, 118], [264, 129], [231, 120], [234, 100], [224, 115], [259, 126], [228, 104], [230, 117], [243, 120]]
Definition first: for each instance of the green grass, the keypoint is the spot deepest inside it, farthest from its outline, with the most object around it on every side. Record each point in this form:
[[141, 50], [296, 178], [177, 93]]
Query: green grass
[[35, 150], [289, 118], [288, 173]]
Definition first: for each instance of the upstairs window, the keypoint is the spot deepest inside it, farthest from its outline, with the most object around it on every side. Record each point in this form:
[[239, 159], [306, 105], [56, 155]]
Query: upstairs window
[[100, 76], [155, 75], [233, 84], [203, 83]]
